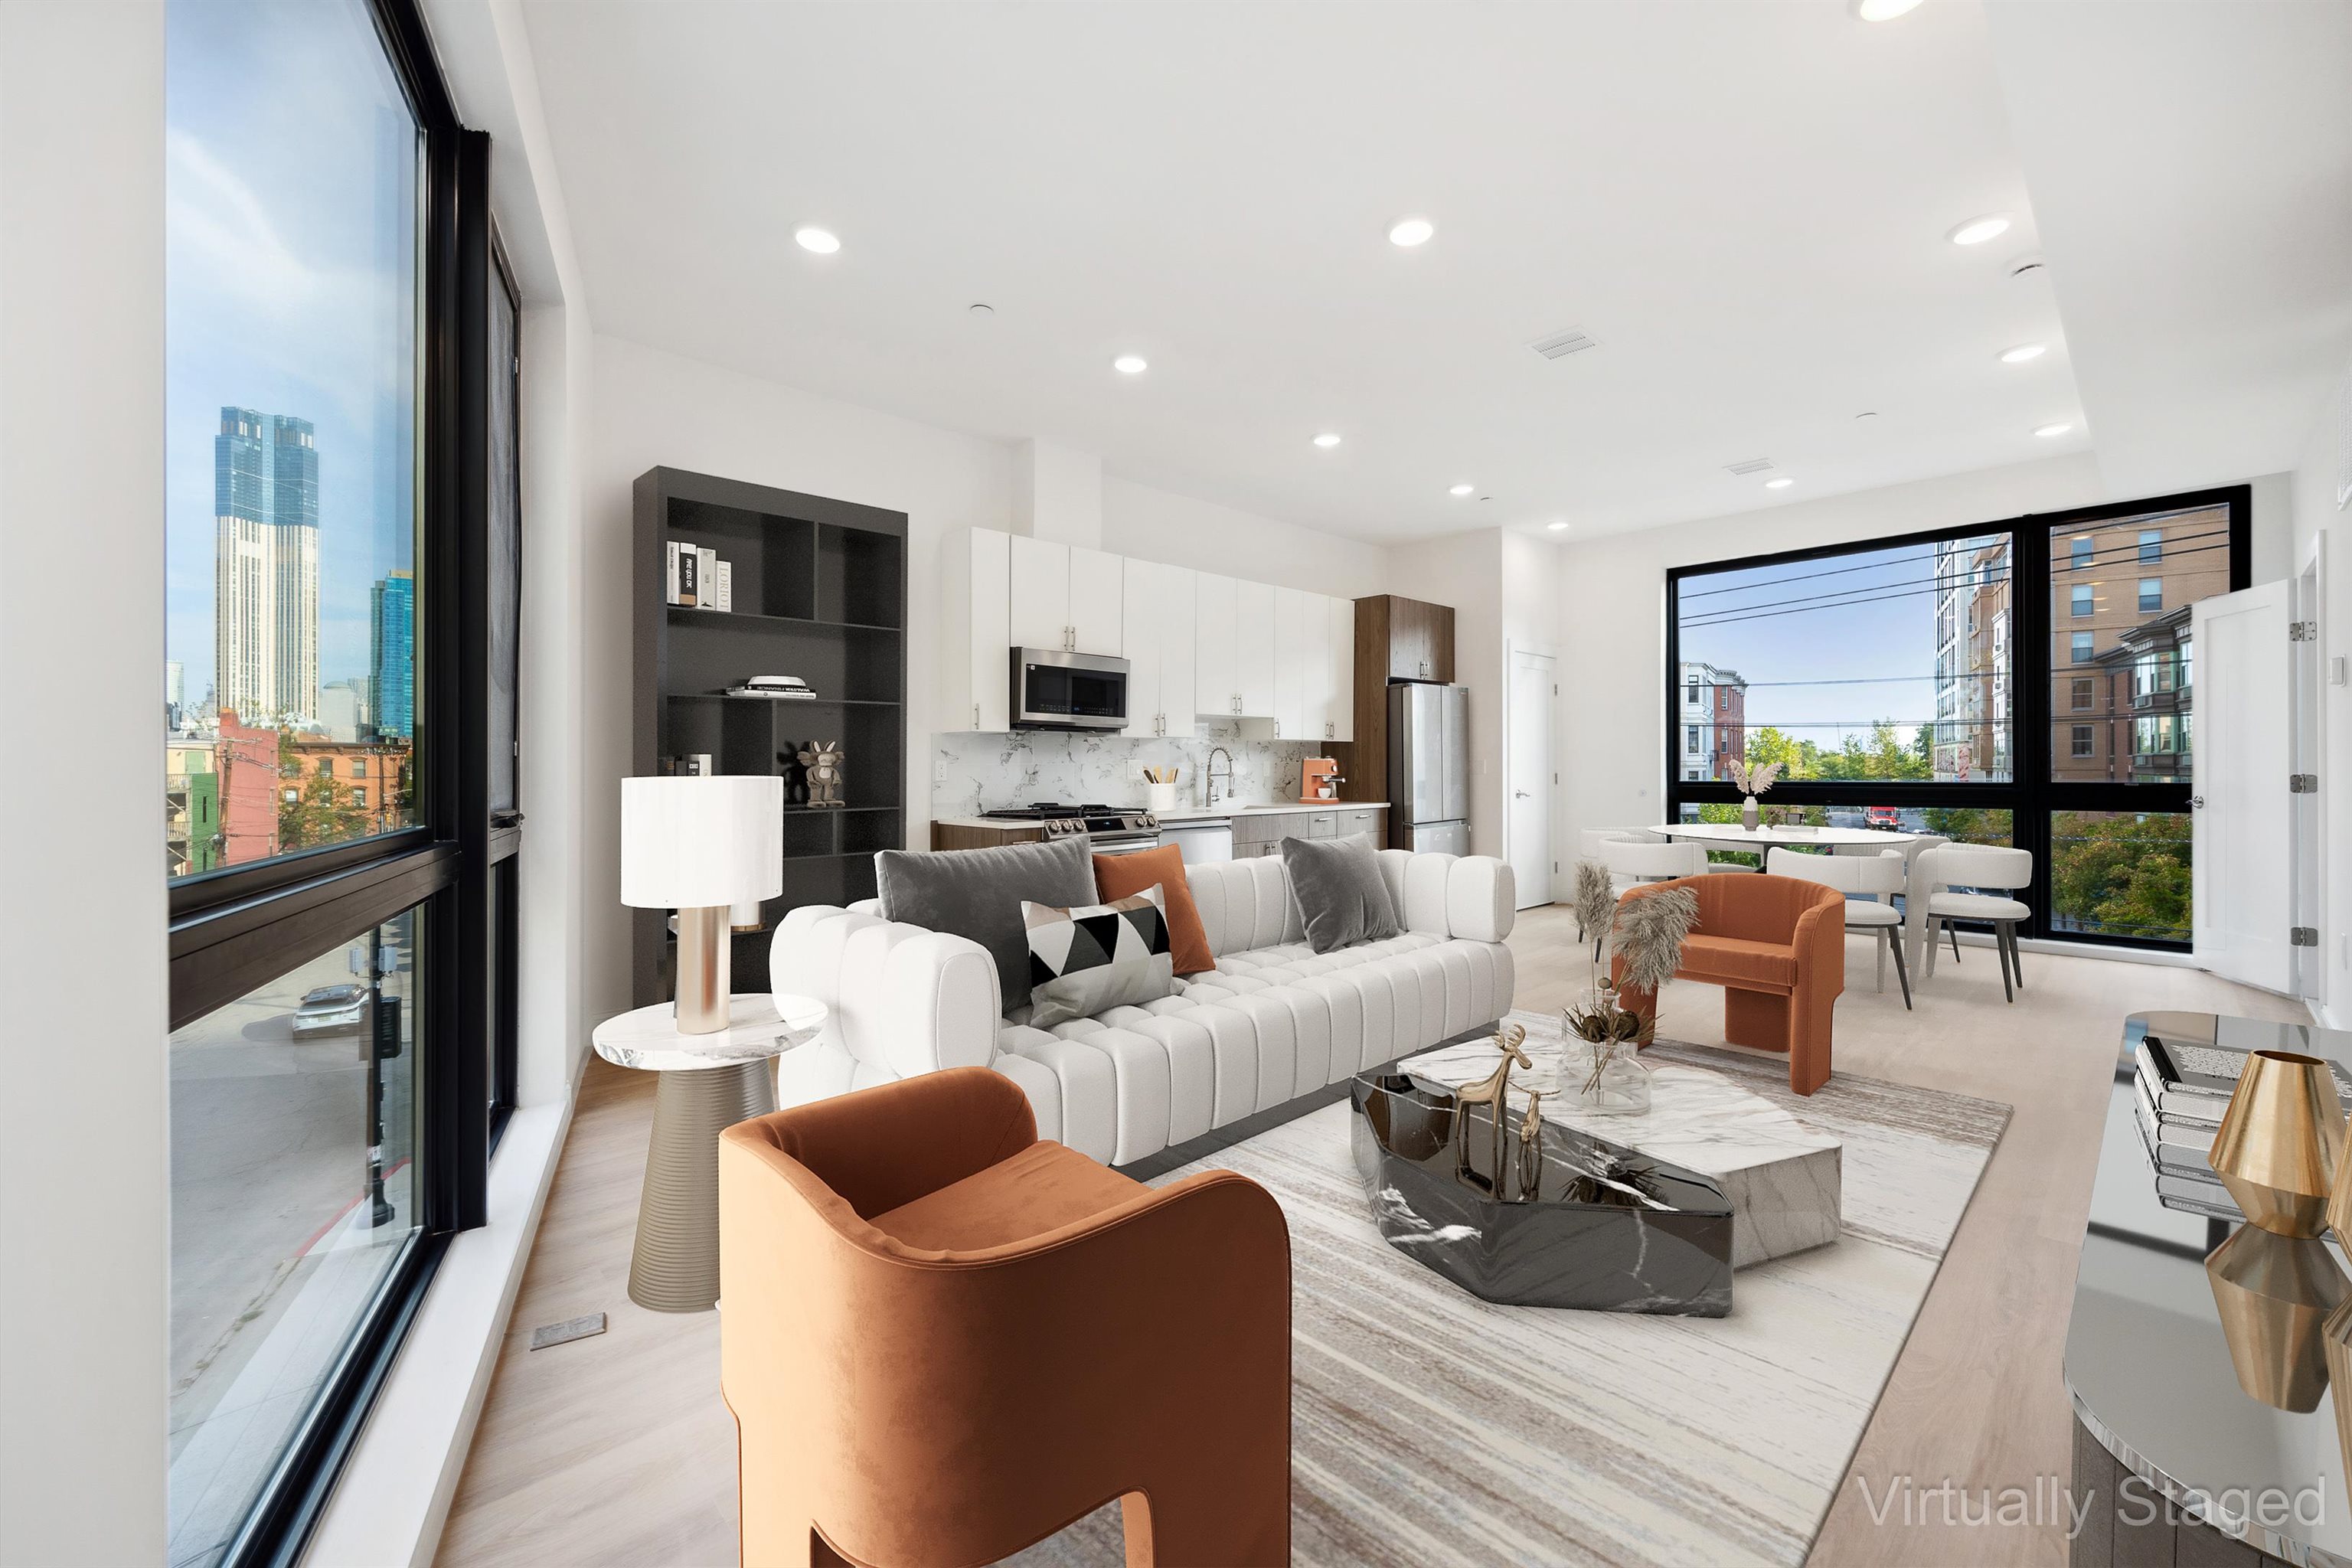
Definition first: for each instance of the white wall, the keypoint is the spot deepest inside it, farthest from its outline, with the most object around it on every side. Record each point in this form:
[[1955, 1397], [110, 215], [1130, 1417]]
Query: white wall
[[1160, 525], [84, 1119], [1612, 603]]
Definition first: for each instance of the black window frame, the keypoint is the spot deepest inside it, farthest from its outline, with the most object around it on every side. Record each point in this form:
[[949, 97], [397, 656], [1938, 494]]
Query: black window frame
[[238, 927], [2030, 796]]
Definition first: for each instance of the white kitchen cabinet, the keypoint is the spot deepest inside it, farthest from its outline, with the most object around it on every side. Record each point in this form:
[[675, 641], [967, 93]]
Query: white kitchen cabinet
[[1141, 647], [1097, 586], [1254, 632], [1065, 598], [1340, 622], [1217, 690], [975, 662], [1315, 661], [1178, 638], [1295, 699]]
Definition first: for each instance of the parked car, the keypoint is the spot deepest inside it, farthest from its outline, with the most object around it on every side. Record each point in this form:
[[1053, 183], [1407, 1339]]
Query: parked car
[[330, 1010], [1882, 817]]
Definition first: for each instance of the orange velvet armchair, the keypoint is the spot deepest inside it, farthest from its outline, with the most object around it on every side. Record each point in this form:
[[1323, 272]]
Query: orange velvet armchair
[[944, 1340], [1777, 946]]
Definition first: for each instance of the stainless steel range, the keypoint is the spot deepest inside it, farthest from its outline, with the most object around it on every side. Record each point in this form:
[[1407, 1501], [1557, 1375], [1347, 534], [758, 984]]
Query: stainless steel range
[[1114, 830]]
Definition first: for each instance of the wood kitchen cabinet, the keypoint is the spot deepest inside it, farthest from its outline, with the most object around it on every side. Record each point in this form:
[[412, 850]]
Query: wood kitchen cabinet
[[1395, 639], [1419, 638]]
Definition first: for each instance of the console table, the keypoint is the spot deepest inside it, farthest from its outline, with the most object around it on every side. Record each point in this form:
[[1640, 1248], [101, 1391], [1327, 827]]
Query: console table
[[2174, 1462]]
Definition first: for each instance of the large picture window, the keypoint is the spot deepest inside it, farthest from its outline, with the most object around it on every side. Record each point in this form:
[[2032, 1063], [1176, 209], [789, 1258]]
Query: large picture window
[[2023, 682], [334, 946]]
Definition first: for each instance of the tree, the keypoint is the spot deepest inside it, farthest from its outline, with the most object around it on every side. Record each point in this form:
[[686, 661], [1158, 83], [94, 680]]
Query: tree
[[1770, 745], [321, 811], [2127, 874]]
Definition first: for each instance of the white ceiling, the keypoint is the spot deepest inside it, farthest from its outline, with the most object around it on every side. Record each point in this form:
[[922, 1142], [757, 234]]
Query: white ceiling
[[1745, 203]]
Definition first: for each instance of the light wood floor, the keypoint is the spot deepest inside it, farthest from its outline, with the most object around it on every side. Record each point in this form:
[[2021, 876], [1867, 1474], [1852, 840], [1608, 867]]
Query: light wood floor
[[617, 1450]]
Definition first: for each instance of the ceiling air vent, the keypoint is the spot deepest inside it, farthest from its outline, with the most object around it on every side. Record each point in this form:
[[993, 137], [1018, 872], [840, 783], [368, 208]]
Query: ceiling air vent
[[1560, 345], [1749, 466]]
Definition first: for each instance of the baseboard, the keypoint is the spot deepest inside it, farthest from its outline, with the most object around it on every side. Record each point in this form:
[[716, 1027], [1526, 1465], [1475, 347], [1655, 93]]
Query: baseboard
[[393, 1498], [1179, 1155]]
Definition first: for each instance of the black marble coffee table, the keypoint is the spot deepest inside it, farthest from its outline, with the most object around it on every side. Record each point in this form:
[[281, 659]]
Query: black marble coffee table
[[1577, 1222]]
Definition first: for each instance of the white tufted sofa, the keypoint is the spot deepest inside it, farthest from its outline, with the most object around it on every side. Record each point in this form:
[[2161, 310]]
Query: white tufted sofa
[[1272, 1022]]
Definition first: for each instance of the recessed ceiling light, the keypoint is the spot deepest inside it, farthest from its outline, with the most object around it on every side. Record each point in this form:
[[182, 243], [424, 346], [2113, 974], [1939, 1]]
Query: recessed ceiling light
[[1977, 230], [1779, 484], [1328, 439], [1460, 489], [1410, 231], [2058, 429], [1130, 364], [1557, 524], [824, 241], [2020, 354], [1884, 10]]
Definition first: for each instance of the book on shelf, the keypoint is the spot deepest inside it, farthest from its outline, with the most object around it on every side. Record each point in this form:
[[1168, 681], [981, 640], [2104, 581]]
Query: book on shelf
[[706, 579], [723, 585], [671, 592], [690, 566]]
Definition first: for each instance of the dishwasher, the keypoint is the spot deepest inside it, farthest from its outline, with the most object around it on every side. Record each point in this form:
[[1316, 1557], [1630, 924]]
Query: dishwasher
[[1201, 839]]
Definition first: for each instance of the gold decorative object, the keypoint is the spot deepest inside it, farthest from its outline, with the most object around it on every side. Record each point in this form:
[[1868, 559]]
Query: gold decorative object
[[2281, 1141], [1493, 1091], [2274, 1294], [1531, 1147]]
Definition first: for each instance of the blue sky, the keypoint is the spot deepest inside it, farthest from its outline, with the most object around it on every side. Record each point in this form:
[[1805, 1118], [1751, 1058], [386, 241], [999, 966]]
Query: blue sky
[[290, 248], [1857, 631]]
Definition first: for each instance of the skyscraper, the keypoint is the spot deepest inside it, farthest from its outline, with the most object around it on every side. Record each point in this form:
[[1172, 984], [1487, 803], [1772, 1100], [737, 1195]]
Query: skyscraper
[[391, 668], [266, 564]]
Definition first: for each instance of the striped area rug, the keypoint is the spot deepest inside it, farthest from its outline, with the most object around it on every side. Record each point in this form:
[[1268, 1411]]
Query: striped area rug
[[1431, 1430]]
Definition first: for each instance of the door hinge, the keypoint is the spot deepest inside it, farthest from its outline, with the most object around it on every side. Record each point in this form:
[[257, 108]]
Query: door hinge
[[2302, 631], [2303, 783], [2301, 936]]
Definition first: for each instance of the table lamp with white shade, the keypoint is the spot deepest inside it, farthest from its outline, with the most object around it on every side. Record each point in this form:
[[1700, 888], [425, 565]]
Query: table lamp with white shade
[[701, 846]]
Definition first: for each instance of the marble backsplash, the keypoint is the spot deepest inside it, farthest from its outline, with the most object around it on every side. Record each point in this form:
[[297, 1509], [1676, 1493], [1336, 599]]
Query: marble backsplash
[[973, 773]]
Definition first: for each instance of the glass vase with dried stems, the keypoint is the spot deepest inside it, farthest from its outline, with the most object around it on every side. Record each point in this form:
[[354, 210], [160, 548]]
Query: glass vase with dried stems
[[1644, 935]]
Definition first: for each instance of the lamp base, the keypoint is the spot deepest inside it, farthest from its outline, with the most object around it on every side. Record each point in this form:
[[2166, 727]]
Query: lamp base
[[706, 980]]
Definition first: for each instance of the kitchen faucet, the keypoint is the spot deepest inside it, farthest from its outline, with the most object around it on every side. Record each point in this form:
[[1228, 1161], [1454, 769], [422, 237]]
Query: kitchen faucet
[[1211, 774]]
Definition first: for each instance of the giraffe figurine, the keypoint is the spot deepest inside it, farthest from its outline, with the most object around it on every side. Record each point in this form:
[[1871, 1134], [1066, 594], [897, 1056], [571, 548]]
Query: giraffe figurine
[[1493, 1091]]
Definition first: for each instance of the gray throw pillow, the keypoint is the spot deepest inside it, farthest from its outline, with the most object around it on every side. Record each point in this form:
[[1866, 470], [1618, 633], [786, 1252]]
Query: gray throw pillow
[[978, 893], [1337, 885]]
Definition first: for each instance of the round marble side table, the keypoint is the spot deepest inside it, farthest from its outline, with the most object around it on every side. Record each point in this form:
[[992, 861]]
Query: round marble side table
[[707, 1083]]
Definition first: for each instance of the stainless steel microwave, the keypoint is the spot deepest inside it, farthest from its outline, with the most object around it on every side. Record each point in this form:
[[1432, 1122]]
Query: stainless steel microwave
[[1057, 690]]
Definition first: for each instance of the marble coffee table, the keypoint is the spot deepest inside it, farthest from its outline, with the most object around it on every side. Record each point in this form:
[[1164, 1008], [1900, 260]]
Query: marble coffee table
[[1783, 1178]]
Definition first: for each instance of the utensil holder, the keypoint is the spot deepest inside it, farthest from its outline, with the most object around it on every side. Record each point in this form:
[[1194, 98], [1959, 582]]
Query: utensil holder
[[1160, 797]]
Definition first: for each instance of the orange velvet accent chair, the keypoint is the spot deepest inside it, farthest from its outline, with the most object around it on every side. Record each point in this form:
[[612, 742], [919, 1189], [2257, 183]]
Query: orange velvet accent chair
[[944, 1340], [1777, 946]]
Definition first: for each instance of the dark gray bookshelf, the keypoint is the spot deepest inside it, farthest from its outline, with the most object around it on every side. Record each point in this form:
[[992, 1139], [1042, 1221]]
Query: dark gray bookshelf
[[820, 592]]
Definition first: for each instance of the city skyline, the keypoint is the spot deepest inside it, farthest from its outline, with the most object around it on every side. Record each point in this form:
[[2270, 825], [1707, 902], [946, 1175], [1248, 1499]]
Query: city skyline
[[280, 298]]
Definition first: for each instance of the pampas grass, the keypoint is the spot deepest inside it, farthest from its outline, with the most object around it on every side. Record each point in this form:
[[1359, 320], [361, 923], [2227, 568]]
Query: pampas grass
[[1649, 936], [1595, 900]]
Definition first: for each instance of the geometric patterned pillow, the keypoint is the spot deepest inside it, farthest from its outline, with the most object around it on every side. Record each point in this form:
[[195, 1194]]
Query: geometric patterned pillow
[[1085, 960]]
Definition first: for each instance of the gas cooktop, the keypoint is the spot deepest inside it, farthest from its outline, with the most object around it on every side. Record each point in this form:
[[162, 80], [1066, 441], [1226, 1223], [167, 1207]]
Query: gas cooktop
[[1061, 819]]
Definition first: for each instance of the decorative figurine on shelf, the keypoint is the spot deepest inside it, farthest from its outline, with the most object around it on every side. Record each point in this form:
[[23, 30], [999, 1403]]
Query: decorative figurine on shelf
[[823, 760], [1494, 1092], [1753, 781]]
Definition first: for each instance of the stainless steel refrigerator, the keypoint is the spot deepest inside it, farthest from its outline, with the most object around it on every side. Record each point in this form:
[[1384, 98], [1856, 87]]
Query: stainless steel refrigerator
[[1428, 767]]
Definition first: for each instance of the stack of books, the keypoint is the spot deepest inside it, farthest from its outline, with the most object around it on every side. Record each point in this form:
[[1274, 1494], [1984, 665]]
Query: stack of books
[[2179, 1092]]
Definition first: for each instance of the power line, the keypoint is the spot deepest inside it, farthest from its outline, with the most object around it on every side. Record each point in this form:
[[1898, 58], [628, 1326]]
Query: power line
[[1900, 562], [1733, 614]]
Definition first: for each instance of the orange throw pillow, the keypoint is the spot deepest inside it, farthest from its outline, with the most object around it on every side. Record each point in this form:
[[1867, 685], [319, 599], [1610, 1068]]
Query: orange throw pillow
[[1120, 876]]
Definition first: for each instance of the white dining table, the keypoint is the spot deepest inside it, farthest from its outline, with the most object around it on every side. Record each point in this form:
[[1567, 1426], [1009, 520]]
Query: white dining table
[[1731, 836]]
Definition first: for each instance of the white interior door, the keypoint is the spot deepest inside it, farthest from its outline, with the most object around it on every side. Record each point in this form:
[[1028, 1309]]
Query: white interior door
[[1529, 772], [2241, 879]]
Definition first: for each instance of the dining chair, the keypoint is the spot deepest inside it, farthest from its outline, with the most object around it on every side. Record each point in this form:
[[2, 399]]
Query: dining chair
[[1874, 878], [1970, 882], [1651, 862]]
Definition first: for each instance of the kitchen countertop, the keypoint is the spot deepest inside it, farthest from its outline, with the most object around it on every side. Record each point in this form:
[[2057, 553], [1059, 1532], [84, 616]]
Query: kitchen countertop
[[1193, 813]]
